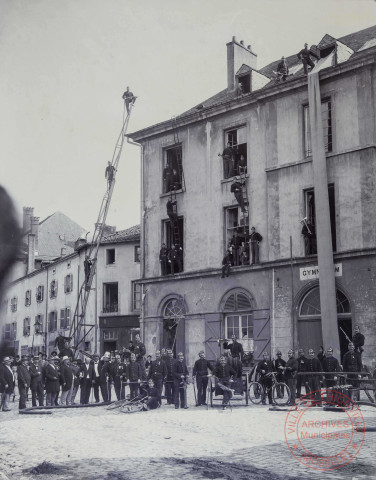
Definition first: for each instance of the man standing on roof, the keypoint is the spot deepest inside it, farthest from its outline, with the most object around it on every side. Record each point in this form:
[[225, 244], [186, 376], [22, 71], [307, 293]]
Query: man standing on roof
[[305, 56], [282, 70], [109, 174], [129, 99]]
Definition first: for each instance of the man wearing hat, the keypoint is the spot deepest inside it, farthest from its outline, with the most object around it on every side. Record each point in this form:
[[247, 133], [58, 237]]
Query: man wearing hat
[[36, 384], [200, 372], [254, 242], [52, 379], [309, 234], [264, 367], [282, 70], [279, 362], [313, 365], [24, 380], [237, 190], [169, 385], [290, 371], [352, 363], [330, 364], [7, 383], [66, 376], [305, 56]]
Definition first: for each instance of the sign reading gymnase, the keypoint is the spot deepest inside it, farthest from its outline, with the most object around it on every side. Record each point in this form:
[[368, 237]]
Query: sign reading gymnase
[[310, 273]]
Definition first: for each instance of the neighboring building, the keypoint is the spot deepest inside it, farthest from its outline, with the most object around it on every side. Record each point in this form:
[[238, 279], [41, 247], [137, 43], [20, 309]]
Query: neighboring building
[[39, 306], [274, 304]]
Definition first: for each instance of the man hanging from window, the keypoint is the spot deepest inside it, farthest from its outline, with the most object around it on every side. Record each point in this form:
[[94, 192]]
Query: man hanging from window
[[305, 56], [254, 242], [226, 265], [228, 162], [171, 212], [237, 190], [129, 98], [309, 234]]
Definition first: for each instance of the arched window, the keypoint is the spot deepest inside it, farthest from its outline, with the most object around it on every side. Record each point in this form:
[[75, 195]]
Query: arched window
[[173, 313], [238, 308], [174, 308], [310, 305]]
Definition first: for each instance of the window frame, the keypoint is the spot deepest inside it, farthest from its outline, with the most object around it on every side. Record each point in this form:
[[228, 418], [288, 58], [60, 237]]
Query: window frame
[[136, 296], [240, 327], [53, 288], [26, 326], [110, 309], [165, 159], [235, 147], [40, 294], [13, 330], [52, 315], [108, 250], [68, 283], [13, 304], [27, 298], [137, 253], [38, 322], [307, 144]]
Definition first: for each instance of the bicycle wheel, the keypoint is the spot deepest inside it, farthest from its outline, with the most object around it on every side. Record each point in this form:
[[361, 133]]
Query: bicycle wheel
[[281, 393], [254, 392]]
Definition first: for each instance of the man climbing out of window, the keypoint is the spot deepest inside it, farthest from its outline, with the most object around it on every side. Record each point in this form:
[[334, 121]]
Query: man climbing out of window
[[305, 56], [237, 190]]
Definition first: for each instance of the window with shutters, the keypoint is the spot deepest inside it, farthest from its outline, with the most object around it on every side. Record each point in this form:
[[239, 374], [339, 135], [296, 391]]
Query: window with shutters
[[136, 296], [52, 321], [239, 315], [38, 325], [27, 298], [14, 331], [40, 293], [65, 314], [53, 289], [26, 327], [326, 114], [7, 331], [13, 304], [68, 283]]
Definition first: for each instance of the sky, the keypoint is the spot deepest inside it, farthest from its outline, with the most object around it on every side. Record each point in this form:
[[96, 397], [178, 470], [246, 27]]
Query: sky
[[66, 63]]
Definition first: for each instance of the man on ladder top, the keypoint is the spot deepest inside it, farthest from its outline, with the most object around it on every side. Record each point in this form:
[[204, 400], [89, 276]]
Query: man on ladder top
[[129, 98]]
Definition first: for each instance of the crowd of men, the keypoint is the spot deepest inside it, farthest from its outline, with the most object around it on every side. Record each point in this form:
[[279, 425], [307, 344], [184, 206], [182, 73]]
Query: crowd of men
[[57, 380]]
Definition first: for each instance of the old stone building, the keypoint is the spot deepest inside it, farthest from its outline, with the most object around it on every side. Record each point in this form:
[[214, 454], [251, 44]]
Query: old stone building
[[273, 304], [39, 306]]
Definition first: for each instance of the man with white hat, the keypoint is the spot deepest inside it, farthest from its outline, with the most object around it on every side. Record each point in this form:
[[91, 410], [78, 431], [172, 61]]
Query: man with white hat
[[7, 383]]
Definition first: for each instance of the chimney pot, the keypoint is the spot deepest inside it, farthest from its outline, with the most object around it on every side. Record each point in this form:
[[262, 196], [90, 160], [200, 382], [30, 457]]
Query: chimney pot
[[234, 39], [28, 212]]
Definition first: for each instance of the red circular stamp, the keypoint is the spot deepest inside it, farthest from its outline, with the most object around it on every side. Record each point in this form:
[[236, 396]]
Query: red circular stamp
[[321, 441]]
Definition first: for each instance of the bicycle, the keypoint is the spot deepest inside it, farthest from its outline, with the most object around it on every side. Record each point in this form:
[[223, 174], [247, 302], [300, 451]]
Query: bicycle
[[280, 391]]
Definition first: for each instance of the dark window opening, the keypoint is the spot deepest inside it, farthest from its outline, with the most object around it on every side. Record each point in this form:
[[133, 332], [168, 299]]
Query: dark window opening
[[237, 236], [172, 169], [137, 253], [38, 325], [326, 114], [110, 256], [28, 298], [52, 321], [235, 162], [110, 297], [40, 294], [173, 259], [65, 318], [245, 82], [26, 327], [309, 225], [53, 289]]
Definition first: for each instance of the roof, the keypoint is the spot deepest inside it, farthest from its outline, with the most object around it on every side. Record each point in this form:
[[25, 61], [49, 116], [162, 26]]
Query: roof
[[355, 41], [55, 232], [131, 234]]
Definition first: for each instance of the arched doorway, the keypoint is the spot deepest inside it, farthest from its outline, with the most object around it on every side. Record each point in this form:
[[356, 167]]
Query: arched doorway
[[309, 321], [173, 335]]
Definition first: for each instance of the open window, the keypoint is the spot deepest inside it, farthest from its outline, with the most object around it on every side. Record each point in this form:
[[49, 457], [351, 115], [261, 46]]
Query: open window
[[52, 321], [53, 289], [68, 283], [326, 114], [38, 325], [236, 138], [137, 253], [27, 298], [110, 256], [26, 327], [13, 304], [65, 315], [137, 300], [173, 237], [245, 82], [237, 236], [110, 297], [40, 293], [310, 215], [172, 169]]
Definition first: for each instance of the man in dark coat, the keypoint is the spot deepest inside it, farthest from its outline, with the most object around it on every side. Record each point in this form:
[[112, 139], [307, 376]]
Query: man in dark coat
[[163, 259], [36, 385], [169, 385], [105, 377], [94, 370], [52, 380], [66, 377], [358, 340], [158, 372], [289, 371], [305, 56], [223, 373], [313, 365], [226, 265], [309, 234], [129, 99], [330, 364], [117, 375], [7, 383], [236, 348], [24, 380], [153, 400], [181, 379], [352, 363], [139, 350], [282, 70], [86, 372], [301, 368], [279, 362], [171, 211], [200, 373], [228, 162], [237, 190], [254, 242], [134, 373], [264, 367]]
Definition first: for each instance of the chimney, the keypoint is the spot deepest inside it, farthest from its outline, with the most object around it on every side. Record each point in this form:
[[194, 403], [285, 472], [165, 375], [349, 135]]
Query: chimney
[[35, 231], [28, 212], [237, 54], [31, 253]]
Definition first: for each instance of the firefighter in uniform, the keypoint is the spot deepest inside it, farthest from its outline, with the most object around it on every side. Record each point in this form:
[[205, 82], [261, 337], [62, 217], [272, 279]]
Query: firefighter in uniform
[[264, 367], [301, 368], [330, 364], [181, 379], [358, 340], [200, 373], [224, 374], [352, 363], [169, 385], [290, 370], [158, 372], [279, 362], [313, 365]]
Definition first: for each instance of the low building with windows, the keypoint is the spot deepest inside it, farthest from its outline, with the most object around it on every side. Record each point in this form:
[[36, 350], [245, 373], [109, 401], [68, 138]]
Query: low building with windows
[[258, 129], [39, 306]]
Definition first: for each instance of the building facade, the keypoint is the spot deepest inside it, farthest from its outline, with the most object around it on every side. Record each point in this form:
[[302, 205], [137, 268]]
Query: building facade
[[39, 306], [275, 302]]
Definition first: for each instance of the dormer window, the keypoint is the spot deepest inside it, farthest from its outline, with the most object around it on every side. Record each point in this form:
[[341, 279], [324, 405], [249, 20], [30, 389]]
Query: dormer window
[[244, 83]]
